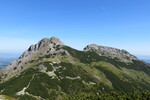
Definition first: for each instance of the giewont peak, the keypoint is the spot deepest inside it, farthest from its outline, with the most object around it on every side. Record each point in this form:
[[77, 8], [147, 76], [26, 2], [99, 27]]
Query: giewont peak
[[52, 40], [44, 47], [45, 41]]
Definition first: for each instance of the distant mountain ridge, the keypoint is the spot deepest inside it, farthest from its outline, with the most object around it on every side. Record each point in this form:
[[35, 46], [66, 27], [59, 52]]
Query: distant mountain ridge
[[148, 61], [51, 70], [4, 62]]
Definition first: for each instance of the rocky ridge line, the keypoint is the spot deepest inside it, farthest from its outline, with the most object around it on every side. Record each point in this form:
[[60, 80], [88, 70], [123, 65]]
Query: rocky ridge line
[[122, 55]]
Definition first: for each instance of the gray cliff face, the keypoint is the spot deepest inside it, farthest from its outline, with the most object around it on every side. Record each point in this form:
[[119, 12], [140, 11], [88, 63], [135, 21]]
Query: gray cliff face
[[42, 48], [52, 42], [45, 41], [123, 55]]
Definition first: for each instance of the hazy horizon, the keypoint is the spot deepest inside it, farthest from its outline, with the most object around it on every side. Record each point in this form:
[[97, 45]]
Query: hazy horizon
[[5, 55]]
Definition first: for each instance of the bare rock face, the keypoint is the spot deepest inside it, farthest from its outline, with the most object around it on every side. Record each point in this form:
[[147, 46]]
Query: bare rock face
[[123, 55], [42, 48], [45, 41], [52, 42]]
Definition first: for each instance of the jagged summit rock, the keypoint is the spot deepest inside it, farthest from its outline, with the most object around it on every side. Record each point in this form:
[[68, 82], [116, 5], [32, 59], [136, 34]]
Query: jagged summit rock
[[56, 40], [45, 41], [111, 52], [50, 43]]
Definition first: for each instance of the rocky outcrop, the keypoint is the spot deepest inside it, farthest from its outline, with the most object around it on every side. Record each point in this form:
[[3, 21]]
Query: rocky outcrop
[[43, 42], [123, 55], [51, 43]]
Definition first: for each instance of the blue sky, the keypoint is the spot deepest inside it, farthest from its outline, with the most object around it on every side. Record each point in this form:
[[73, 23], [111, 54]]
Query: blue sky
[[123, 24]]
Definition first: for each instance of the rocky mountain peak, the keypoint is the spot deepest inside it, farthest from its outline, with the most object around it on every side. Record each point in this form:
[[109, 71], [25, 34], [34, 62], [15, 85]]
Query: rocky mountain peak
[[46, 46], [45, 41], [122, 55], [56, 40]]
